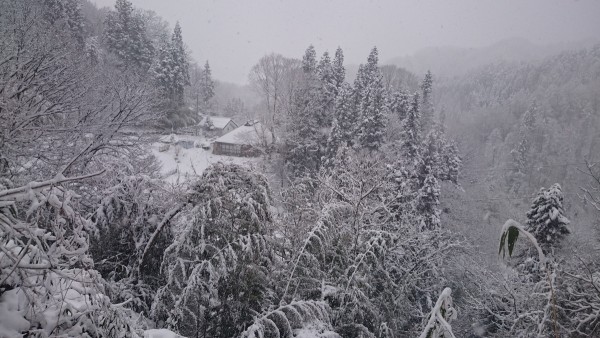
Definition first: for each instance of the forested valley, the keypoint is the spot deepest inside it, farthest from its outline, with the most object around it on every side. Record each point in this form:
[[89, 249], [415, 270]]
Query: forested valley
[[371, 201]]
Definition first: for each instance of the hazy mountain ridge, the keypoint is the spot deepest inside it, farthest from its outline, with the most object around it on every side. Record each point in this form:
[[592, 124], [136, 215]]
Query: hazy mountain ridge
[[450, 61]]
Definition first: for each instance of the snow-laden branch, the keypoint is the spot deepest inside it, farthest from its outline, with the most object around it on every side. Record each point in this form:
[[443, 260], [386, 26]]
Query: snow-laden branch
[[505, 242], [156, 232], [22, 191], [437, 325]]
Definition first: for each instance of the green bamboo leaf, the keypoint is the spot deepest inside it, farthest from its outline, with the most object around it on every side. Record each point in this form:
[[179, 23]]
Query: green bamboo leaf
[[513, 234]]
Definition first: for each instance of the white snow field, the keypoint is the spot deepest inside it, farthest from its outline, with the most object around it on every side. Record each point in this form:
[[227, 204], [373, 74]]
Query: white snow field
[[179, 163], [161, 333]]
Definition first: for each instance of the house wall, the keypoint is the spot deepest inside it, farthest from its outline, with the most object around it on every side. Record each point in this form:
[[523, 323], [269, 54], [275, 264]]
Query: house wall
[[227, 149], [234, 150]]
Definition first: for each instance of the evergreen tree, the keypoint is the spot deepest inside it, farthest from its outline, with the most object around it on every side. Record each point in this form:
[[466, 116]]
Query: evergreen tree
[[207, 89], [411, 139], [522, 151], [366, 73], [328, 90], [161, 71], [305, 140], [125, 36], [451, 162], [399, 104], [448, 162], [426, 103], [339, 72], [75, 20], [68, 14], [325, 69], [54, 10], [372, 104], [344, 125], [309, 60], [546, 219], [428, 200], [442, 120], [171, 75], [431, 154], [171, 71], [308, 113], [180, 67]]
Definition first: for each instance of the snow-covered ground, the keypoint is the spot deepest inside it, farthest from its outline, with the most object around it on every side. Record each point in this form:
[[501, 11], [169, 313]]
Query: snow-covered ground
[[315, 330], [160, 333], [179, 163]]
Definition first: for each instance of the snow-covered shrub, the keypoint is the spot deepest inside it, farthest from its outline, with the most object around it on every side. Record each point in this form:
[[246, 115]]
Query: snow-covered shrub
[[49, 285], [218, 264], [132, 220]]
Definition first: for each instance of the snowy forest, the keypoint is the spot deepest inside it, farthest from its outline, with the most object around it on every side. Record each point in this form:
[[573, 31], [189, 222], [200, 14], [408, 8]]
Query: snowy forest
[[368, 201]]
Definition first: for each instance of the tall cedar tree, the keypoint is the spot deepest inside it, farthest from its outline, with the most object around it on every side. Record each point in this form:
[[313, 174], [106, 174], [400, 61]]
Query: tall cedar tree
[[309, 61], [427, 198], [427, 109], [67, 12], [399, 104], [522, 151], [371, 104], [207, 89], [411, 133], [327, 90], [305, 141], [180, 67], [125, 36], [344, 123], [339, 71], [171, 71]]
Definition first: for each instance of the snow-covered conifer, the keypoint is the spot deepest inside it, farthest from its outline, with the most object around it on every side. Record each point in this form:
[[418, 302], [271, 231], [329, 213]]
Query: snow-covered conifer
[[327, 91], [207, 89], [179, 70], [546, 218], [306, 142], [125, 36], [372, 105], [344, 126], [309, 60], [339, 72], [411, 131], [399, 104], [427, 109], [522, 152]]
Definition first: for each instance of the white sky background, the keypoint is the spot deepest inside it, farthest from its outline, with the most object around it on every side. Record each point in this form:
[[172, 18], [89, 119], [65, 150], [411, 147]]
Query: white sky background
[[233, 35]]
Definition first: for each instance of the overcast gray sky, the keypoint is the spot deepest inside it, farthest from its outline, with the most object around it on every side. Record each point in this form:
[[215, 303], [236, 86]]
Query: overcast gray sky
[[233, 35]]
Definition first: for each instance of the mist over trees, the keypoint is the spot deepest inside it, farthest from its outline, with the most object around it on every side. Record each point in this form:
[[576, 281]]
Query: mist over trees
[[373, 207]]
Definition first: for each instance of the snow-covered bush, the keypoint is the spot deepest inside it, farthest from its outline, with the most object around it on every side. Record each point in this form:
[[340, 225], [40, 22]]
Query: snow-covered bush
[[49, 285], [218, 265]]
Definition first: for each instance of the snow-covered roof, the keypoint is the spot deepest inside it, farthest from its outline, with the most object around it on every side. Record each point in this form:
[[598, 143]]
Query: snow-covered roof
[[246, 134], [218, 122]]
